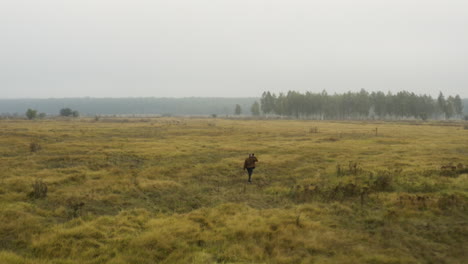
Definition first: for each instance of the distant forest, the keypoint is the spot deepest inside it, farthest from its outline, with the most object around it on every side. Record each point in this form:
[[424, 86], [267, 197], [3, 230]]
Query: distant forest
[[351, 105], [363, 105], [129, 106]]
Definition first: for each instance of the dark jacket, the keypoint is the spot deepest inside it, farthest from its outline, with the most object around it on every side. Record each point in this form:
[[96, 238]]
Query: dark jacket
[[250, 162]]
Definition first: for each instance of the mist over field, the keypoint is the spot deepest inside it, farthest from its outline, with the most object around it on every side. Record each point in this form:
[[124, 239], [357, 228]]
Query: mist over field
[[211, 48], [130, 106]]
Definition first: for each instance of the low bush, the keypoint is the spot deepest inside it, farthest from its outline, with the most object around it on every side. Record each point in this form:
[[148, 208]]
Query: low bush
[[34, 147], [39, 190]]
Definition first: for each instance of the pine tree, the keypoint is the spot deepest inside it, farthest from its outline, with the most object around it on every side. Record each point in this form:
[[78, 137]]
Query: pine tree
[[458, 105], [238, 110], [255, 109], [442, 104]]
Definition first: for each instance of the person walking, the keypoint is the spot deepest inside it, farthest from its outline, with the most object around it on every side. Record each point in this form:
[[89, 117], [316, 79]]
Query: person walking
[[249, 165]]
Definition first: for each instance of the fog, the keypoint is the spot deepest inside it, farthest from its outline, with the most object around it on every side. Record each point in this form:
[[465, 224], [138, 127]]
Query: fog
[[230, 48]]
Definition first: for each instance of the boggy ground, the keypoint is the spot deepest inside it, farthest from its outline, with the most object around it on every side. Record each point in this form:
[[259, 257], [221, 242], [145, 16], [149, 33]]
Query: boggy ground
[[172, 190]]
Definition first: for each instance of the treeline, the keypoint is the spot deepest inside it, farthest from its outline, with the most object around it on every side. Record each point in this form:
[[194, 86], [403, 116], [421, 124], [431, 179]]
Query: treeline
[[128, 106], [361, 105]]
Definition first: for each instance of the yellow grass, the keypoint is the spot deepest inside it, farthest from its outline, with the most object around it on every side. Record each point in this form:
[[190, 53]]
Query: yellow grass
[[172, 190]]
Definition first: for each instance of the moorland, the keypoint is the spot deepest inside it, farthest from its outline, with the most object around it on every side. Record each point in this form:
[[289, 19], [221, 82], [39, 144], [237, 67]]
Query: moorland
[[172, 190]]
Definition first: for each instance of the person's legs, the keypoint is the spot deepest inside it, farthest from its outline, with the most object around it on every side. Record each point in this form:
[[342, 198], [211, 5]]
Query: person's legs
[[250, 171]]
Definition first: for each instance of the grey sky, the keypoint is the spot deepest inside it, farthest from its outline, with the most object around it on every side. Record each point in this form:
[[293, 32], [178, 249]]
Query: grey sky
[[234, 48]]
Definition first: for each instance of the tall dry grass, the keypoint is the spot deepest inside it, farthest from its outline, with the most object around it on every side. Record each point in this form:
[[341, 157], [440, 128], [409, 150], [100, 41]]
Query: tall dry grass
[[172, 190]]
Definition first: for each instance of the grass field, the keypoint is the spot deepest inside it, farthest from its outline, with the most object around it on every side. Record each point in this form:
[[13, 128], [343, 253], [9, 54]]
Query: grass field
[[172, 190]]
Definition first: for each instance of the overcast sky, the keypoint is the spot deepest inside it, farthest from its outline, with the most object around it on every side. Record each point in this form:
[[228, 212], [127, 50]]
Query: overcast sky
[[231, 48]]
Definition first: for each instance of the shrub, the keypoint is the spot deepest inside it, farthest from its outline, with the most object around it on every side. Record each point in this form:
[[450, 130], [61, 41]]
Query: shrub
[[75, 208], [34, 147], [423, 116], [66, 112], [383, 182], [31, 114], [39, 190], [339, 170], [69, 112], [451, 201], [354, 168]]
